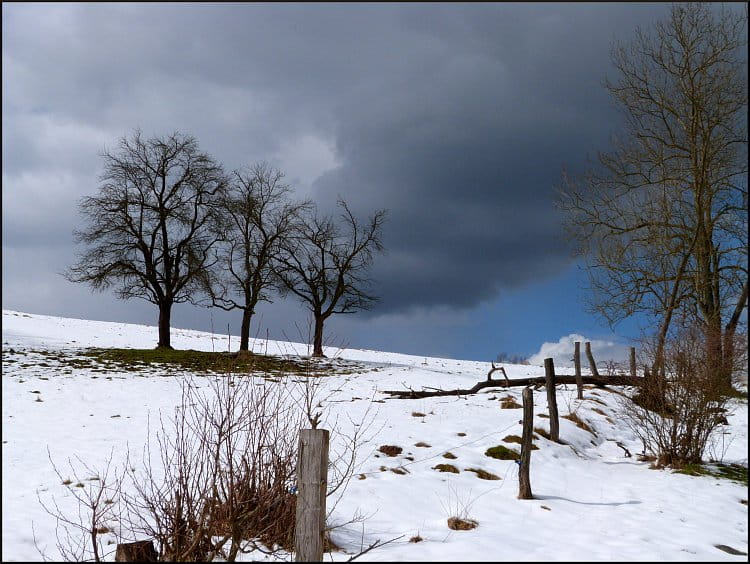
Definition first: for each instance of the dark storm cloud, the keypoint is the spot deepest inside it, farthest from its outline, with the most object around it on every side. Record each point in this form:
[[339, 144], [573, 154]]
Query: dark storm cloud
[[456, 118]]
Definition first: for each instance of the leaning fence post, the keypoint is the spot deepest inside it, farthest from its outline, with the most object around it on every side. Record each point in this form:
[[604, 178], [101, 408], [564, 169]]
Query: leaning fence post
[[524, 484], [577, 361], [632, 363], [312, 483], [592, 364], [554, 422]]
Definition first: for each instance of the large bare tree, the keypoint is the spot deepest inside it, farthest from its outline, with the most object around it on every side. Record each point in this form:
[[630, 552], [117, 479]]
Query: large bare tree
[[326, 264], [149, 230], [662, 217], [258, 215]]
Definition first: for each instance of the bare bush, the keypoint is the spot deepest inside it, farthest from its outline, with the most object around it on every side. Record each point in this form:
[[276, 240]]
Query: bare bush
[[676, 417], [218, 475], [224, 480]]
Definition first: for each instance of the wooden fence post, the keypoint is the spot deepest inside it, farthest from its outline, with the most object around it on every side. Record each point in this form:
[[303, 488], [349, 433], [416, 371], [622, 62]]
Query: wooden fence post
[[312, 483], [554, 422], [632, 362], [524, 484], [592, 364], [577, 361]]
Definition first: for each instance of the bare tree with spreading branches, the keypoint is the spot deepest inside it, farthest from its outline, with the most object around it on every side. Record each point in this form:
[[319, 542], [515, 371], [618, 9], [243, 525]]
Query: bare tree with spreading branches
[[326, 265], [662, 217], [149, 229], [258, 214]]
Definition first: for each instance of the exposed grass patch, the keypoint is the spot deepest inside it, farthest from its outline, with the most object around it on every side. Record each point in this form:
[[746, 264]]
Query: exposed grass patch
[[517, 439], [734, 472], [502, 453], [390, 450], [417, 414], [422, 444], [580, 423], [195, 361], [544, 433], [599, 411], [730, 550], [484, 474], [416, 538], [446, 468], [449, 456], [543, 416]]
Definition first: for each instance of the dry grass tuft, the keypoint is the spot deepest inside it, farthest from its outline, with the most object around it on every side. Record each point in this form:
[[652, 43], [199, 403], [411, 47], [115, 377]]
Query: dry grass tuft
[[483, 474], [458, 524], [446, 468], [580, 423], [508, 402], [502, 453], [390, 450]]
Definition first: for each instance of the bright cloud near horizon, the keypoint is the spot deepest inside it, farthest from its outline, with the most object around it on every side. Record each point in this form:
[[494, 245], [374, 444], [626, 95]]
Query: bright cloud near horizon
[[562, 351], [456, 118]]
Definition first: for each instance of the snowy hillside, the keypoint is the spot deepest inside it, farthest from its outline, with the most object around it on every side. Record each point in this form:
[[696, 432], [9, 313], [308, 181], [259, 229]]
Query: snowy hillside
[[591, 502]]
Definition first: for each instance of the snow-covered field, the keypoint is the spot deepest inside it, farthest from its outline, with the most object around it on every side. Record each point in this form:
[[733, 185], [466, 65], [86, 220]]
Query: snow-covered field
[[591, 502]]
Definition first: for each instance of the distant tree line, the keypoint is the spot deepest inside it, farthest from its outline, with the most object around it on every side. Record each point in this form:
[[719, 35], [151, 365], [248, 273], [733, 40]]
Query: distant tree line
[[170, 225]]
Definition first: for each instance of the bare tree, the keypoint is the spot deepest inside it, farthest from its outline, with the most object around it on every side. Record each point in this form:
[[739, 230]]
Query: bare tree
[[258, 214], [326, 265], [662, 217], [149, 230]]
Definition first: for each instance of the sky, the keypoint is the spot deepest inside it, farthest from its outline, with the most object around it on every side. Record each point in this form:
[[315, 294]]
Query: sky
[[456, 118]]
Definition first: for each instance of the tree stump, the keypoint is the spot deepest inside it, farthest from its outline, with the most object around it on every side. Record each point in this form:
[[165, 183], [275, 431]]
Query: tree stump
[[138, 551]]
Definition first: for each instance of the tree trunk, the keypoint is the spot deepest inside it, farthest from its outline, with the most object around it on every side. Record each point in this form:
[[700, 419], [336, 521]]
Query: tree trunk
[[165, 315], [247, 315], [318, 337]]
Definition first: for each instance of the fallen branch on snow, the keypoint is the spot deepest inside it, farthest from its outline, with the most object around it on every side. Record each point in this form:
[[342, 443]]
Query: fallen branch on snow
[[600, 381]]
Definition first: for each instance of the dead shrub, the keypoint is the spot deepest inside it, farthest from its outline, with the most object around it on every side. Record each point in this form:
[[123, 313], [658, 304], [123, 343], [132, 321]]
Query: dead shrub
[[677, 410], [225, 471]]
